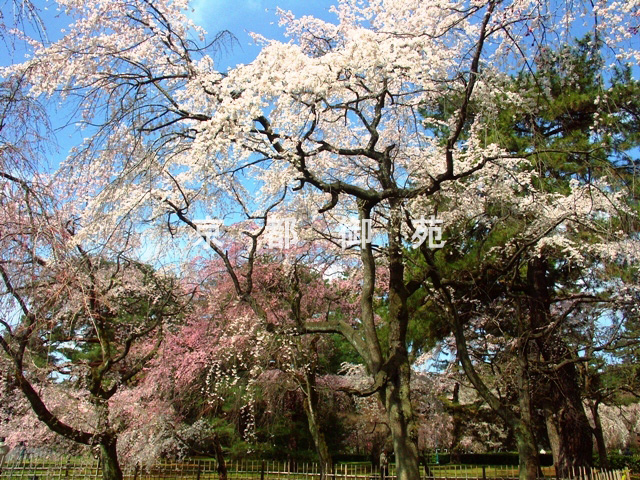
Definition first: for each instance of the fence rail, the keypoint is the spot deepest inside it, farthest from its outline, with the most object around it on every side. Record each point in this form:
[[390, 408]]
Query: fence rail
[[74, 468]]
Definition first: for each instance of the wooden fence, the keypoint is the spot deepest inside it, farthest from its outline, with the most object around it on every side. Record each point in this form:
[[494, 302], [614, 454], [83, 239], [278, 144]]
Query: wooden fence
[[197, 469]]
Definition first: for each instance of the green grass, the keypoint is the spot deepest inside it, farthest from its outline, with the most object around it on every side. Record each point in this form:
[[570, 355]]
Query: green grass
[[76, 469]]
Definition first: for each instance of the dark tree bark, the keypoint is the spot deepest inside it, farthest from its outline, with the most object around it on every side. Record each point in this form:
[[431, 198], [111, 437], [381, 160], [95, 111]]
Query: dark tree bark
[[109, 458], [552, 433], [527, 452], [395, 395], [598, 433], [575, 444], [561, 393], [456, 429], [524, 431], [402, 425], [220, 461], [311, 403], [520, 423]]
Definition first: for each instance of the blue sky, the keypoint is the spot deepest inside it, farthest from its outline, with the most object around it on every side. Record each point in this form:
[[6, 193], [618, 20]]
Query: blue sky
[[242, 17]]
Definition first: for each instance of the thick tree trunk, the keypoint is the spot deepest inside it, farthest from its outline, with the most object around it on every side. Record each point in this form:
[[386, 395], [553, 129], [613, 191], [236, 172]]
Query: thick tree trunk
[[396, 393], [403, 429], [568, 427], [525, 438], [456, 429], [574, 434], [552, 433], [320, 443], [599, 435], [315, 429], [527, 453], [562, 393], [109, 458]]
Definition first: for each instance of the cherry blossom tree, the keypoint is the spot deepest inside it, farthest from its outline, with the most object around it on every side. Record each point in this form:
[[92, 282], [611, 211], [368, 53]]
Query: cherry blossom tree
[[620, 426], [227, 344], [79, 321], [329, 122]]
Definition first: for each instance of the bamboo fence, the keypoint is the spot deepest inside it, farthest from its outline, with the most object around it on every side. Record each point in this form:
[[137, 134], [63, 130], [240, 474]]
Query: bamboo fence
[[30, 468]]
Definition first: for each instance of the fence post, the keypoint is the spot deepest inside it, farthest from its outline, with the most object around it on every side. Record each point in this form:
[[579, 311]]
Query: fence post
[[484, 472], [262, 470]]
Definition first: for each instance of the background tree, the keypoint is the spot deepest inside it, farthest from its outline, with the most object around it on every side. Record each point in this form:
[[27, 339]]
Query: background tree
[[549, 269], [248, 363], [75, 323]]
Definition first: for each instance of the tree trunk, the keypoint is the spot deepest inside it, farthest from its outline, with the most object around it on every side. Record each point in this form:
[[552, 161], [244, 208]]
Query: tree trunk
[[396, 392], [599, 435], [221, 464], [109, 458], [552, 433], [403, 429], [527, 453], [315, 429], [456, 428], [562, 394], [320, 443], [575, 441], [566, 417], [529, 464]]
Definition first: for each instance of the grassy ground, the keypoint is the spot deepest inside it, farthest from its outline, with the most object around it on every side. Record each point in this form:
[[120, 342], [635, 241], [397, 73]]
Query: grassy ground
[[75, 470]]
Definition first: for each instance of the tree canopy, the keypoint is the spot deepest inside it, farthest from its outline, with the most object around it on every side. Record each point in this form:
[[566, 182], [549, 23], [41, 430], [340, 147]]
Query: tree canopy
[[348, 150]]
